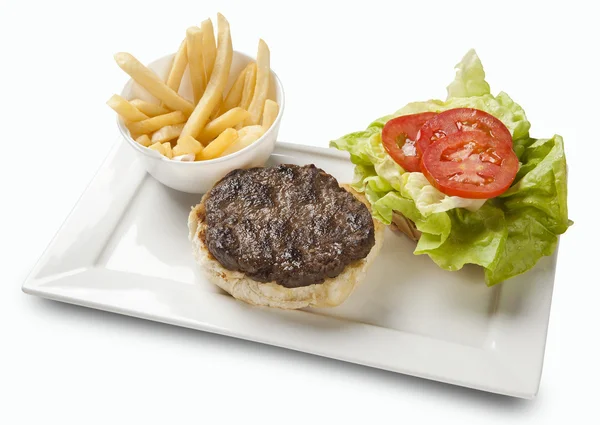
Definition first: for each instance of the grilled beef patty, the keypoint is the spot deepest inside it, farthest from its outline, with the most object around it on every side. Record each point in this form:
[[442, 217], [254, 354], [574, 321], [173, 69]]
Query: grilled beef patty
[[289, 224]]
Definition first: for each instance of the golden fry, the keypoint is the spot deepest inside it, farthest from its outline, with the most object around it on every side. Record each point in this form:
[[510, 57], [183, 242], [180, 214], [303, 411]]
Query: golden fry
[[246, 136], [217, 146], [234, 96], [269, 113], [168, 150], [217, 82], [158, 147], [186, 145], [133, 134], [216, 112], [196, 61], [228, 120], [144, 140], [150, 109], [180, 61], [249, 84], [261, 90], [125, 109], [167, 133], [154, 85], [209, 47], [153, 124]]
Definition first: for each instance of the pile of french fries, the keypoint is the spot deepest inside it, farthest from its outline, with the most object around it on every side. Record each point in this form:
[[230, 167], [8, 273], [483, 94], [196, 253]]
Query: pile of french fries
[[214, 123]]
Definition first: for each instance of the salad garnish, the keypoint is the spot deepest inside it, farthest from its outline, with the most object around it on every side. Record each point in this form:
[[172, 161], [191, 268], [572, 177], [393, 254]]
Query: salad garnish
[[467, 174]]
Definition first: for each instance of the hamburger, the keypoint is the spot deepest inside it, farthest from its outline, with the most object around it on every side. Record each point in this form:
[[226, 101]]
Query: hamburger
[[287, 236]]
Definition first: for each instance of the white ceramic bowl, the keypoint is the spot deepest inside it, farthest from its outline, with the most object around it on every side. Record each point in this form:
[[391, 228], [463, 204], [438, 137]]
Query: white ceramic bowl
[[200, 176]]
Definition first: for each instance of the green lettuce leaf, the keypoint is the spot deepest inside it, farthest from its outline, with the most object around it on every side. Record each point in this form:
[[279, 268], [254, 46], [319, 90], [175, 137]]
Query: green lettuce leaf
[[536, 209], [506, 235], [429, 200], [435, 228], [475, 237], [542, 184], [527, 241], [470, 78], [354, 143]]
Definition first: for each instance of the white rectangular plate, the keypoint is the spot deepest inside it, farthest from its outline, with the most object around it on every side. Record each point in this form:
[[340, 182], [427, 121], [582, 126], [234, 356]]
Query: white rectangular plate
[[125, 249]]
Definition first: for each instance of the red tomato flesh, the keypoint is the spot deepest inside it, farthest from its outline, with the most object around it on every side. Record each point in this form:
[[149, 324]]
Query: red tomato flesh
[[470, 164], [399, 136], [461, 119]]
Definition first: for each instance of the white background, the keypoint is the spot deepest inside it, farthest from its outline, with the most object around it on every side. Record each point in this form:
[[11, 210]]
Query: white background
[[342, 65]]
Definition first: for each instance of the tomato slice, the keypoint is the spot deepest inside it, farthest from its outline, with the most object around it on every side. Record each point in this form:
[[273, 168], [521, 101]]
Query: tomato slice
[[399, 136], [461, 119], [470, 164]]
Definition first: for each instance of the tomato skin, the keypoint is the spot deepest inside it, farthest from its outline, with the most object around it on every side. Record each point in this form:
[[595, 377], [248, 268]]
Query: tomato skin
[[461, 119], [470, 164], [399, 136]]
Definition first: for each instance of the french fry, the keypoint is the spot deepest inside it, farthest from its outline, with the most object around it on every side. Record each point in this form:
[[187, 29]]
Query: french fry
[[249, 83], [196, 61], [215, 113], [234, 96], [209, 47], [248, 91], [269, 113], [144, 140], [154, 85], [133, 134], [168, 150], [246, 136], [167, 133], [261, 90], [150, 109], [153, 124], [217, 146], [125, 109], [228, 120], [187, 145], [180, 61], [216, 85], [158, 147]]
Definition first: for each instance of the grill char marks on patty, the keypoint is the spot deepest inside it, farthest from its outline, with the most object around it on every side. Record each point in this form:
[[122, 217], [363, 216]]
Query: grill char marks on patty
[[289, 224]]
